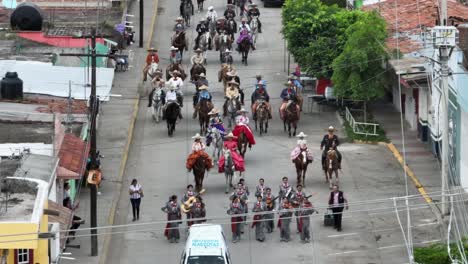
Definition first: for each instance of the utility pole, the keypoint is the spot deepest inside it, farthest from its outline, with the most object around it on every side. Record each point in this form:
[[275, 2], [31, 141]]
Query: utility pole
[[93, 109], [141, 22]]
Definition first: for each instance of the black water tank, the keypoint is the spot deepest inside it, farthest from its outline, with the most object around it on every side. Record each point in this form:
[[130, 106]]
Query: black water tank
[[26, 16], [11, 86]]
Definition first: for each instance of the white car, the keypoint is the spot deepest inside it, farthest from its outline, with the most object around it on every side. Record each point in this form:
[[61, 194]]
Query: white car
[[206, 244]]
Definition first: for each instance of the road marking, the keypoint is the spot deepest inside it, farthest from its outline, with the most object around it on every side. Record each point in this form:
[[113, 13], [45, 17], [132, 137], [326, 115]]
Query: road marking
[[342, 235], [345, 252]]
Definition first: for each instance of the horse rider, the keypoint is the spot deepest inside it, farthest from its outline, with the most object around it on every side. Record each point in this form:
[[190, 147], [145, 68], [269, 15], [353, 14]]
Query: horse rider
[[198, 150], [301, 146], [259, 80], [232, 92], [242, 121], [176, 82], [288, 95], [174, 56], [254, 12], [260, 94], [181, 7], [201, 95], [201, 29], [293, 78], [330, 141], [150, 58], [197, 58], [211, 15], [220, 25], [230, 143], [233, 76], [200, 80], [230, 12], [216, 122], [159, 85], [172, 97], [244, 32], [179, 26]]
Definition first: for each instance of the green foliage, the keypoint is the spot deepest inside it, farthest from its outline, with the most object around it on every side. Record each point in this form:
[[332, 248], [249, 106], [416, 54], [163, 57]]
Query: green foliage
[[362, 78], [437, 253], [316, 33], [381, 137], [340, 3]]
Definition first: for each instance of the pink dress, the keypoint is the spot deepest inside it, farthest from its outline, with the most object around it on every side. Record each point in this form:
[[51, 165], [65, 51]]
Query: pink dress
[[236, 157]]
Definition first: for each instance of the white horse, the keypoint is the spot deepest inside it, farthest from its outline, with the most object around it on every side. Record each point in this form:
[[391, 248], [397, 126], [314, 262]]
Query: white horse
[[229, 169], [204, 43], [217, 141], [152, 70], [254, 28], [232, 109], [157, 105]]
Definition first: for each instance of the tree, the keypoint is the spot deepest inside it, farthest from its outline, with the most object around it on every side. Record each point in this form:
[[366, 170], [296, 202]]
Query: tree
[[357, 71]]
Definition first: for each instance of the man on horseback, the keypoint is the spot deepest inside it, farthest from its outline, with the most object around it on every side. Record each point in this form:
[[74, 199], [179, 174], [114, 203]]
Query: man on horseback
[[211, 15], [288, 95], [244, 33], [260, 94], [174, 56], [216, 122], [258, 81], [220, 25], [172, 98], [233, 76], [232, 92], [230, 12], [150, 58], [179, 26], [201, 29], [197, 59], [330, 142], [198, 150], [201, 95], [200, 80], [254, 12], [301, 146], [181, 7], [175, 83], [242, 121]]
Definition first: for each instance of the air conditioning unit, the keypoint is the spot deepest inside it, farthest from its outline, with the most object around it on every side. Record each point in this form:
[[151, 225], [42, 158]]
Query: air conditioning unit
[[444, 36]]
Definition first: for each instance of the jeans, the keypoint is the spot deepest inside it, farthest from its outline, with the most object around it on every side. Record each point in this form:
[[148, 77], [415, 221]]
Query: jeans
[[136, 207]]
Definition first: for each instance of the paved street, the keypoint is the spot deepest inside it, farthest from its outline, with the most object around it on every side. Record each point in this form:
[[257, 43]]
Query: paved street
[[371, 233]]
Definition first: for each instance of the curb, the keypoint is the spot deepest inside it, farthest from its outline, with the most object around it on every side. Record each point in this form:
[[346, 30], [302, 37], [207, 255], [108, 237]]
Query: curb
[[409, 172], [123, 165]]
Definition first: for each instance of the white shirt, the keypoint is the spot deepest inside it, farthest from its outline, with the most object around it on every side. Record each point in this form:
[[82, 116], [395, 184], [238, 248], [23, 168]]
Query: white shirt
[[197, 146], [242, 120], [136, 188], [212, 14], [246, 26], [171, 95], [176, 83]]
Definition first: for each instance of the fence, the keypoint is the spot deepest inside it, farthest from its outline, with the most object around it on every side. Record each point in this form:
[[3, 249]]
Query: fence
[[368, 129]]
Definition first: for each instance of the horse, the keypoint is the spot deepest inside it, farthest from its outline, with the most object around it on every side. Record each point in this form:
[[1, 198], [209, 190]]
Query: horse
[[187, 11], [196, 70], [291, 117], [242, 143], [231, 27], [254, 28], [301, 164], [226, 57], [222, 75], [200, 5], [212, 28], [152, 71], [157, 105], [229, 169], [199, 169], [180, 42], [204, 43], [331, 165], [217, 141], [262, 118], [223, 42], [203, 117], [233, 106], [171, 114], [300, 99], [174, 67], [244, 48]]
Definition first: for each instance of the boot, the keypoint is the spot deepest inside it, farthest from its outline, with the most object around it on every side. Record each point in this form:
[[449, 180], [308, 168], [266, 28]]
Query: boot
[[195, 112], [255, 116], [180, 115], [253, 46], [269, 115]]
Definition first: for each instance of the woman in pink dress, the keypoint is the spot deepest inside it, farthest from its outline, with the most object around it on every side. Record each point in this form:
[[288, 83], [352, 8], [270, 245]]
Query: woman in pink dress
[[242, 125], [231, 144]]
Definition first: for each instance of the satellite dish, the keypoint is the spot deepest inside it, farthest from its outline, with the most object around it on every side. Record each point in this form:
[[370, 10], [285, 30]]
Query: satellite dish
[[27, 16]]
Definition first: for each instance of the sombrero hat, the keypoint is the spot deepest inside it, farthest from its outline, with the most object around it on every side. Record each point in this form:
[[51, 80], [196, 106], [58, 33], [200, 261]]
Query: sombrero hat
[[198, 50], [331, 128], [202, 75], [175, 72], [213, 111], [197, 136], [230, 135], [243, 110], [233, 82], [152, 49], [227, 51], [203, 87], [229, 5], [221, 18], [179, 19], [301, 135], [174, 48]]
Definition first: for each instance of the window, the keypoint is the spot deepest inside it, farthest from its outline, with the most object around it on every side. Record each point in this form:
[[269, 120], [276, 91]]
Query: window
[[205, 260], [23, 256]]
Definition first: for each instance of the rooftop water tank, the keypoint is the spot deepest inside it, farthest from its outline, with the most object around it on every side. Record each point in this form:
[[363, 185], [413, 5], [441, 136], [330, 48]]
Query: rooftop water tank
[[11, 87], [26, 16]]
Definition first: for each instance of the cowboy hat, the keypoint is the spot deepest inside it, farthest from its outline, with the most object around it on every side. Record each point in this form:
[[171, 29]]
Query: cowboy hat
[[152, 49], [229, 5], [230, 135], [198, 50], [210, 8], [244, 19], [203, 87], [227, 51], [197, 136], [202, 19], [221, 18], [233, 82], [174, 48], [331, 129], [292, 77], [202, 75], [301, 135], [243, 110], [175, 72], [179, 19], [253, 4], [213, 111]]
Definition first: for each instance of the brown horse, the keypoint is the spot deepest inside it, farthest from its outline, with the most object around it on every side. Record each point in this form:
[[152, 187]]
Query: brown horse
[[301, 164], [242, 143], [244, 48], [174, 67], [331, 166], [291, 117], [222, 75], [199, 169], [180, 42], [203, 117], [262, 118], [196, 70]]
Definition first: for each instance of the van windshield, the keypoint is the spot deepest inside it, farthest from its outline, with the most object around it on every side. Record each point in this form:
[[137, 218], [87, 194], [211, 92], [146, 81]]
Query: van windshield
[[205, 260]]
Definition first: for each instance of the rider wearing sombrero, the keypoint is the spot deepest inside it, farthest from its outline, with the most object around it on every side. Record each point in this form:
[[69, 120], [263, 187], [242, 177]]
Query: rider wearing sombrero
[[201, 29], [244, 32], [288, 95], [233, 76], [260, 93], [176, 83], [174, 56], [254, 12], [232, 92], [231, 144], [203, 95], [301, 146], [197, 59], [330, 141], [179, 26], [198, 149], [243, 126], [150, 58], [216, 122], [230, 12]]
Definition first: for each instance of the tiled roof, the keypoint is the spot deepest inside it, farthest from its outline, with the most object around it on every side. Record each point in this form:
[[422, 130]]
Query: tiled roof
[[414, 16], [64, 219], [73, 154]]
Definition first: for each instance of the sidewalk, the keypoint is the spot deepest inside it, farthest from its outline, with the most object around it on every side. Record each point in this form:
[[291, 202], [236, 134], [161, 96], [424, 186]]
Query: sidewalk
[[419, 158], [115, 130]]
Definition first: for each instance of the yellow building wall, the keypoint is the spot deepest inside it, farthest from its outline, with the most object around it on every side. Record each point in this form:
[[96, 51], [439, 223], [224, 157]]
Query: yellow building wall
[[41, 255]]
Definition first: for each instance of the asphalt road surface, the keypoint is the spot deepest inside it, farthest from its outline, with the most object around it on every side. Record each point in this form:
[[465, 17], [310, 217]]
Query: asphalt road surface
[[371, 232]]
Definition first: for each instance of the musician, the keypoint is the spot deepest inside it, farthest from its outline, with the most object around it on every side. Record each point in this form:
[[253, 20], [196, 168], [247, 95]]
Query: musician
[[260, 188], [244, 186], [297, 198], [243, 196], [270, 202], [258, 222], [197, 211], [306, 210], [234, 210], [172, 210], [285, 190], [284, 221], [187, 195]]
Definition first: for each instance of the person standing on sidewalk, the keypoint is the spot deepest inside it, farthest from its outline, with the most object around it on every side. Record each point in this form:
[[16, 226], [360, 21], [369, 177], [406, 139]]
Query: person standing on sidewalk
[[337, 202], [136, 193]]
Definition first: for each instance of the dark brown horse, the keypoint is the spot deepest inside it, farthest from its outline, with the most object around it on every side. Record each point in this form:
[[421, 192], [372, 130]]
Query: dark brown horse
[[199, 169], [180, 42], [244, 48], [242, 143], [301, 164], [203, 117], [222, 75], [331, 166], [196, 70], [262, 118], [291, 117], [174, 67]]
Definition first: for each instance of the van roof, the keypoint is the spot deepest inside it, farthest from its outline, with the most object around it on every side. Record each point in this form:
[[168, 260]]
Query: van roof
[[205, 240]]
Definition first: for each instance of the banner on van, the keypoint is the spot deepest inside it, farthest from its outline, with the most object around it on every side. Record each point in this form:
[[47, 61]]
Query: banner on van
[[205, 243]]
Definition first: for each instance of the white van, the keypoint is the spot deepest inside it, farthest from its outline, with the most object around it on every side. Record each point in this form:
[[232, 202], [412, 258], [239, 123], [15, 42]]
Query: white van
[[206, 244]]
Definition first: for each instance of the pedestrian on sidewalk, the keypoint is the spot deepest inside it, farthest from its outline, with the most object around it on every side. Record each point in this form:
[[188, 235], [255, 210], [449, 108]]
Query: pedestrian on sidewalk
[[258, 223], [337, 202], [136, 193], [174, 216], [285, 216], [76, 222]]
